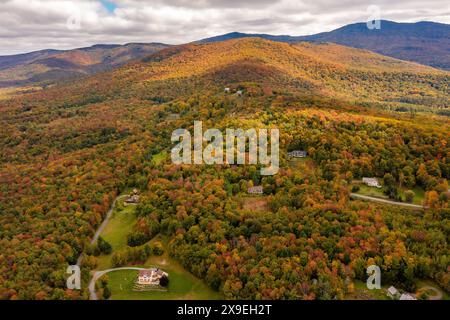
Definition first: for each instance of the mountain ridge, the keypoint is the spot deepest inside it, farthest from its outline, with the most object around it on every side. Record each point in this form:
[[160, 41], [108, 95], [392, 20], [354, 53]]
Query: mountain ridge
[[424, 42], [325, 69], [50, 66]]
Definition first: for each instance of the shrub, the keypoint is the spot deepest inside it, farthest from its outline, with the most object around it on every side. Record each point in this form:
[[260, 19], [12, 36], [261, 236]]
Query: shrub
[[409, 196]]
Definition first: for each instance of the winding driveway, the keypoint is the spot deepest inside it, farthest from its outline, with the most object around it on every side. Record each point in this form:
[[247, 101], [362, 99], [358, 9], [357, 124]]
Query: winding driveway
[[102, 226], [437, 293], [99, 274], [402, 204]]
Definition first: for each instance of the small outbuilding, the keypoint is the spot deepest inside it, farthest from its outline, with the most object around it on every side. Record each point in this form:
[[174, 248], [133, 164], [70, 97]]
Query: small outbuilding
[[256, 190], [297, 154], [407, 296], [392, 292]]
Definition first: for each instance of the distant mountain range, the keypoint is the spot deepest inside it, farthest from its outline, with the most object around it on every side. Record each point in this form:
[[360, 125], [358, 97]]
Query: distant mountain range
[[426, 43], [48, 66], [305, 68]]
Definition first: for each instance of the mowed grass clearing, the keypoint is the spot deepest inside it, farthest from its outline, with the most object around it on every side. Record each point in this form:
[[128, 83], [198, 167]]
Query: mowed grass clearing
[[116, 232], [362, 293], [182, 284], [379, 193], [371, 192], [418, 197], [160, 157]]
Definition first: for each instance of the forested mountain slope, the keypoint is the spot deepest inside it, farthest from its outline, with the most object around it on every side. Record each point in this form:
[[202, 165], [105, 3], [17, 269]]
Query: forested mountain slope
[[68, 150], [422, 42], [49, 66]]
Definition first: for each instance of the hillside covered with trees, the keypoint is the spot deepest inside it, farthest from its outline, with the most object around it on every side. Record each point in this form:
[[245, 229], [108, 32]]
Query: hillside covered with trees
[[69, 150]]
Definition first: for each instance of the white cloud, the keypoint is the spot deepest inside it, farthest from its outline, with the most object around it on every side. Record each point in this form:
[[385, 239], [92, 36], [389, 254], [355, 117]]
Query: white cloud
[[27, 25]]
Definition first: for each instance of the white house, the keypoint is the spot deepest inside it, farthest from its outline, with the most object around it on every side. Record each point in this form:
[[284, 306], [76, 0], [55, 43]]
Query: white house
[[239, 93], [151, 277], [392, 292], [372, 182], [297, 154], [227, 90], [407, 296], [132, 198]]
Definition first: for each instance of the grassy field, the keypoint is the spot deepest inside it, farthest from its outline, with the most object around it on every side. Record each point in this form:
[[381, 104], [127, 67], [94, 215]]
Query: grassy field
[[160, 157], [378, 193], [116, 232], [182, 284], [372, 192], [362, 293], [418, 198]]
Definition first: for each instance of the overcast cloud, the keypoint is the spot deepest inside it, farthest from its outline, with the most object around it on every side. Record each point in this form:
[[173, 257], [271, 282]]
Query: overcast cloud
[[27, 25]]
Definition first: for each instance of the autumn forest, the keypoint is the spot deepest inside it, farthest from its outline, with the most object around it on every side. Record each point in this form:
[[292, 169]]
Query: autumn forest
[[68, 150]]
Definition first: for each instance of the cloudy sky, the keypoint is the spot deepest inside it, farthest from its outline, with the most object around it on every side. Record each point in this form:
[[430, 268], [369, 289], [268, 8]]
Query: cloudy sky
[[27, 25]]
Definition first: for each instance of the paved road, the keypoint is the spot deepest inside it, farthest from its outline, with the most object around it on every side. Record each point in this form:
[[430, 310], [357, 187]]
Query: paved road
[[402, 204], [102, 226], [99, 274]]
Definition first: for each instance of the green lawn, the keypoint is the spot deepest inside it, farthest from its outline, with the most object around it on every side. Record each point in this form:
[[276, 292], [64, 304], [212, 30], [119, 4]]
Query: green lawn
[[160, 157], [362, 293], [378, 193], [119, 226], [182, 284], [372, 192], [418, 198]]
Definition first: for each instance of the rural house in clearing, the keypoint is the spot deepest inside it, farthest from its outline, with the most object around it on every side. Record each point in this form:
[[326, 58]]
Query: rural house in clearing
[[256, 190], [151, 277], [133, 198], [371, 182], [297, 154]]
